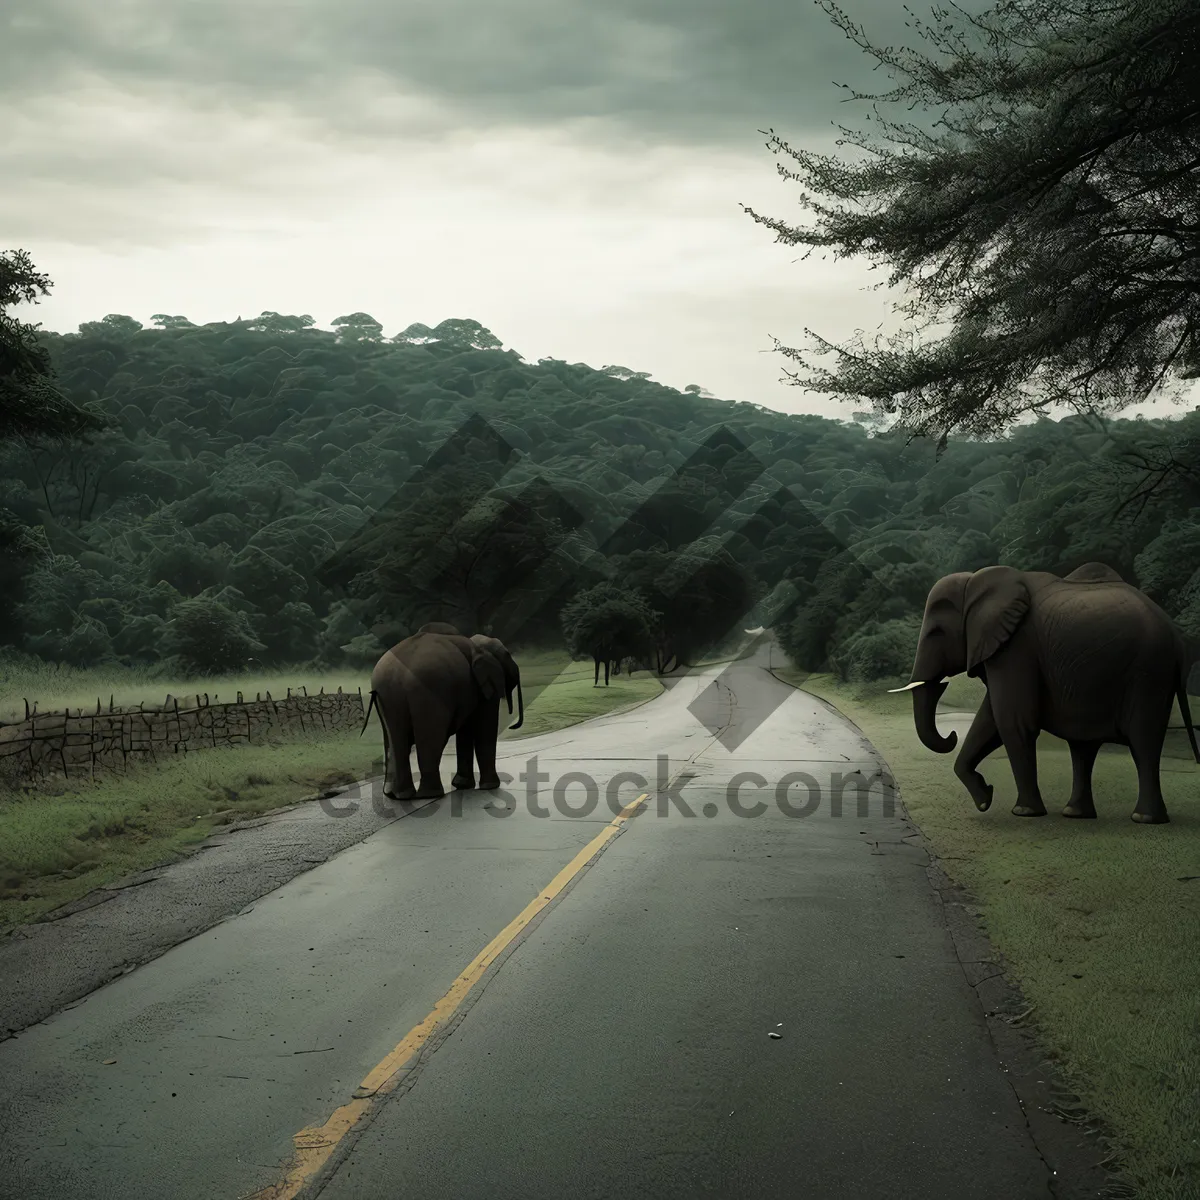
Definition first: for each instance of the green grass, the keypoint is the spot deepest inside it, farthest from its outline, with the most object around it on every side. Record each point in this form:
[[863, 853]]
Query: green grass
[[1092, 916], [58, 687], [60, 843], [571, 696]]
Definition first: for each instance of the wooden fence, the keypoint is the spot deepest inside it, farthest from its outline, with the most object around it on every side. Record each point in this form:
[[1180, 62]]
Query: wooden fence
[[77, 745]]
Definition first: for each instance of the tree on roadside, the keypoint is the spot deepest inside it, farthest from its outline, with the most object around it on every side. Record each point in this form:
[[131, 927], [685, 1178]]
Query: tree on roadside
[[1050, 216], [30, 405], [209, 638], [32, 411], [608, 623]]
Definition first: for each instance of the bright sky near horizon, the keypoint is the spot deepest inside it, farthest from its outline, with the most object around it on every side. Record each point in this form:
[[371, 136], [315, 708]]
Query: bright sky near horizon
[[569, 174]]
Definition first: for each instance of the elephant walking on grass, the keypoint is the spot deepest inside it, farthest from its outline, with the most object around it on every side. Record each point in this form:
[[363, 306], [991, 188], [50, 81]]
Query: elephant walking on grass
[[434, 685], [611, 666], [1089, 658]]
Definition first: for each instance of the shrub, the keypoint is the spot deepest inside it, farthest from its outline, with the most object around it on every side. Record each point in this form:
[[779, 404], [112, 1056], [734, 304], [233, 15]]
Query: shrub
[[878, 651], [207, 637]]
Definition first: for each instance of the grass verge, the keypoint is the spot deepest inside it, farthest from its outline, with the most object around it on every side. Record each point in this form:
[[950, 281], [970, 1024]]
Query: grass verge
[[1099, 920], [59, 844], [564, 693]]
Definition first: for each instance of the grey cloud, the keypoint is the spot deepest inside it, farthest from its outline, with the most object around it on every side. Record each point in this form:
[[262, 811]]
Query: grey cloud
[[683, 71]]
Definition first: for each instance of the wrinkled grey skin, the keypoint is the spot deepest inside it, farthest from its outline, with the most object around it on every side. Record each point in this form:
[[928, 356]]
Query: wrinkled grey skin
[[435, 685], [1088, 658]]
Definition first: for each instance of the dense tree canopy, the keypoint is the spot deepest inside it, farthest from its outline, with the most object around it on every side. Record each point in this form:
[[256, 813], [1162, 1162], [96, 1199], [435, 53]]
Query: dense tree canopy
[[609, 623], [1044, 206], [273, 493]]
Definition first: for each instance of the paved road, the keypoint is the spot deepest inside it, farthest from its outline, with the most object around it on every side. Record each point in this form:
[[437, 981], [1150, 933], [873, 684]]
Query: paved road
[[620, 1045]]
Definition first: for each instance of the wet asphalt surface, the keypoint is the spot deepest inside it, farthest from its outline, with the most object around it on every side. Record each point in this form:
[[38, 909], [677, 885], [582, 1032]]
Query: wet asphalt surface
[[621, 1049]]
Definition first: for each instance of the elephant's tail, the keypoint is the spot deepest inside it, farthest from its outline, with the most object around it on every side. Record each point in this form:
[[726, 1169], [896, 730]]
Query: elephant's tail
[[1185, 712], [371, 705]]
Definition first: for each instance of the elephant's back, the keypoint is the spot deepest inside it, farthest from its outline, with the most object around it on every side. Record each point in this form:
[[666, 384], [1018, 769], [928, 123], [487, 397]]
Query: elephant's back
[[425, 659], [1104, 624]]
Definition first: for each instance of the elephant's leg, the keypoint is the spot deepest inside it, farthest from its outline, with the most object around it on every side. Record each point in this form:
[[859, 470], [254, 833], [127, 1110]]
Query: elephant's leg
[[464, 748], [596, 680], [1013, 693], [431, 744], [1083, 758], [485, 725], [1145, 744], [1021, 747], [388, 757], [397, 754], [606, 672], [982, 739]]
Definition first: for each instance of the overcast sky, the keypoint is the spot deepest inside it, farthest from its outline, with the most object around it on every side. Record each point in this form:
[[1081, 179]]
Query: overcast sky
[[567, 172]]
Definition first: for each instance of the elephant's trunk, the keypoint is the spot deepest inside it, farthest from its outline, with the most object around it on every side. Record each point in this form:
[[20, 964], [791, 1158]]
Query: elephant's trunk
[[520, 706], [926, 694]]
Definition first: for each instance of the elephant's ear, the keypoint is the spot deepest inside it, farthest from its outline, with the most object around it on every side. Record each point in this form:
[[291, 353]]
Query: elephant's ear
[[994, 604], [488, 672]]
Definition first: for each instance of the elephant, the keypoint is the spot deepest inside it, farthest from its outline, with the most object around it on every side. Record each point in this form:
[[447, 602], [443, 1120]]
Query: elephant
[[435, 684], [1088, 657], [610, 664]]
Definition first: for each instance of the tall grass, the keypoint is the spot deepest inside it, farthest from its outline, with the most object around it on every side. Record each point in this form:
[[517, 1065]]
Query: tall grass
[[56, 687]]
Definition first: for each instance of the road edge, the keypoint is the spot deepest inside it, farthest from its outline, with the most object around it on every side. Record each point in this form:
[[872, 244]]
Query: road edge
[[122, 964], [612, 712], [1073, 1143]]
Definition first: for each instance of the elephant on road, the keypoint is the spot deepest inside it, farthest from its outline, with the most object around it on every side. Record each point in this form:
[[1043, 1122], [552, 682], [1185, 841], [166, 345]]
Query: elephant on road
[[434, 685], [1089, 658]]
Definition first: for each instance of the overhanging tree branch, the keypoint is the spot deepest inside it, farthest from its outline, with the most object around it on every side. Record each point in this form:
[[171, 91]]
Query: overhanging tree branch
[[1012, 218]]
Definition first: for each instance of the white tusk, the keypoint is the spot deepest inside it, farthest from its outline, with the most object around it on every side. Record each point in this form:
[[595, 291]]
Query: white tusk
[[760, 629], [908, 687]]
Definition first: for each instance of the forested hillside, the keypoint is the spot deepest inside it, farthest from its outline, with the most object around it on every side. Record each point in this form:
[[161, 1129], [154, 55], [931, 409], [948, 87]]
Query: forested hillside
[[264, 496]]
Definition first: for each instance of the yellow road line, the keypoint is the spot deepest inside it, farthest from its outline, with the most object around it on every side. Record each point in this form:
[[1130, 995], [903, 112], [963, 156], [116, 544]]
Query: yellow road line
[[316, 1143]]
